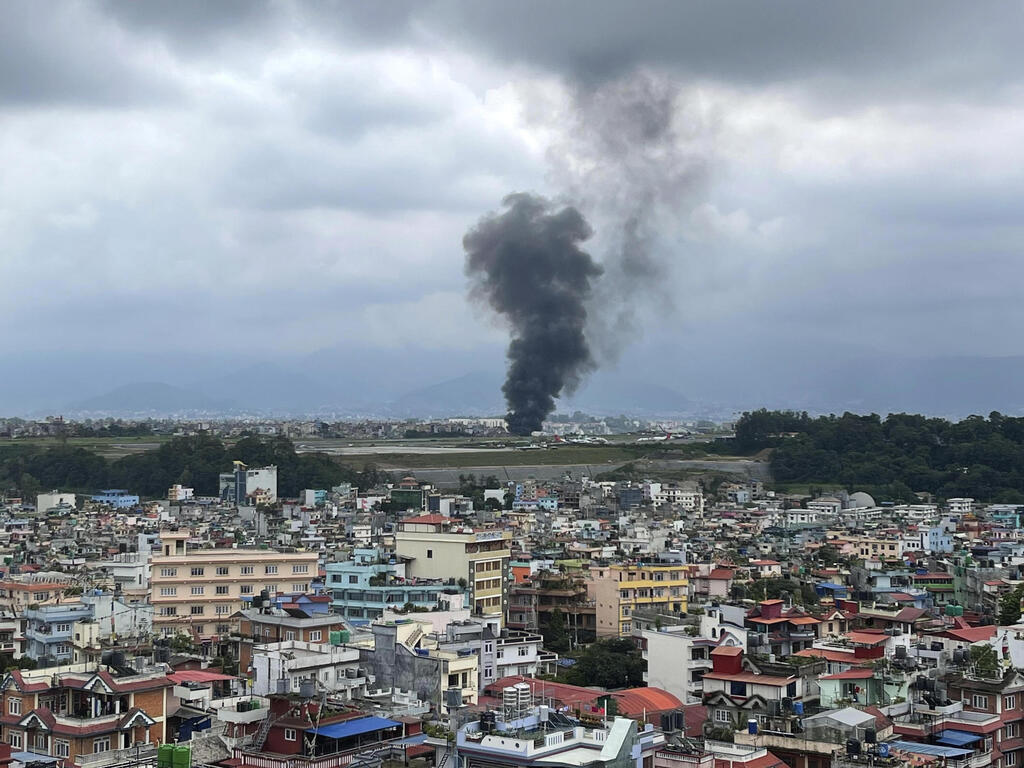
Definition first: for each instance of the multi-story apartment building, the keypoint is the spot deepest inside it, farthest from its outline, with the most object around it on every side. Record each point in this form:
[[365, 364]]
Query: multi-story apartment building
[[248, 484], [80, 711], [363, 588], [118, 498], [76, 632], [282, 668], [532, 603], [437, 547], [619, 589], [260, 626], [676, 661], [199, 590], [734, 694], [16, 596], [12, 638]]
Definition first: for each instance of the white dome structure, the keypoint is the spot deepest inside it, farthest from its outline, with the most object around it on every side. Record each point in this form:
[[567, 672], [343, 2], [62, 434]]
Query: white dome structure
[[860, 499]]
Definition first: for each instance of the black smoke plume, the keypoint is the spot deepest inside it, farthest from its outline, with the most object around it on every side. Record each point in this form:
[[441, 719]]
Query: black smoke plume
[[527, 265]]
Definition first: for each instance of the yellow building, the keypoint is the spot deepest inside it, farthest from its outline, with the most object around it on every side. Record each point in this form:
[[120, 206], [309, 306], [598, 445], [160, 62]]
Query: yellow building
[[438, 547], [197, 590], [618, 590]]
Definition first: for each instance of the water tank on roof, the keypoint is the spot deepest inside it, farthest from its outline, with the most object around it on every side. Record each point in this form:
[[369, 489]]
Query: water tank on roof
[[883, 750], [852, 747], [870, 736], [307, 688], [752, 727]]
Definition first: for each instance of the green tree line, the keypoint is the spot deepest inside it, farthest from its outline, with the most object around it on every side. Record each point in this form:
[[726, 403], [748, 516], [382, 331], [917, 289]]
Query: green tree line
[[893, 457], [194, 461]]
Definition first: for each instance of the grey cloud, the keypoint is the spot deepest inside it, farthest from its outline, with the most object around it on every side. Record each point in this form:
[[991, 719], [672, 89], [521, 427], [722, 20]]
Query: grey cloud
[[54, 54]]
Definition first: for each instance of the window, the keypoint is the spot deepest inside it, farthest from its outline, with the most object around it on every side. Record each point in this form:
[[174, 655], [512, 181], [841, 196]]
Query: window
[[223, 570], [315, 636], [524, 651], [791, 689], [299, 587], [223, 609], [1009, 758], [222, 589], [101, 744], [1011, 731], [169, 610], [979, 702], [245, 589], [289, 635], [62, 649], [198, 629], [247, 570], [168, 571], [1010, 702], [300, 569], [197, 590], [168, 591], [15, 738], [198, 570], [737, 689], [14, 706], [353, 579], [430, 554], [223, 628], [62, 628], [61, 748], [270, 570], [197, 610], [722, 716], [289, 734], [272, 589]]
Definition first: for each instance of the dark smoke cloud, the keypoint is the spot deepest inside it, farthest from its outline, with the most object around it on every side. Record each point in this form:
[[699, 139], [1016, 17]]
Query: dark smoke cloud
[[527, 265], [635, 156]]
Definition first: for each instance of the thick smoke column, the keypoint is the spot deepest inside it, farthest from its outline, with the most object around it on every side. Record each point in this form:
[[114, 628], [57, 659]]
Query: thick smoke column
[[527, 265]]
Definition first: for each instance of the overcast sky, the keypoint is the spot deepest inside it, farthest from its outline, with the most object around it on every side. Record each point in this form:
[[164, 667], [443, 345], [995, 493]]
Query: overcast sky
[[278, 178]]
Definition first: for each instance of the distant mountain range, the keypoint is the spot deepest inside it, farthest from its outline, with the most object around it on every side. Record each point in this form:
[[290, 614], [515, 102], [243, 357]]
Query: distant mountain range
[[390, 384]]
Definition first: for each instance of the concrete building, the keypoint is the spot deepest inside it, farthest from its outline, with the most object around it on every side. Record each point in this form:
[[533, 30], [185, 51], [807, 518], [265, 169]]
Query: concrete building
[[178, 493], [45, 501], [242, 484], [16, 596], [369, 584], [198, 591], [676, 661], [262, 626], [334, 670], [619, 589], [437, 547], [960, 506], [403, 656], [77, 632], [540, 736], [118, 498]]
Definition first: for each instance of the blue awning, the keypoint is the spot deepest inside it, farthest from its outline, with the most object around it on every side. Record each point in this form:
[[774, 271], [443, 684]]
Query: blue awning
[[930, 749], [957, 738], [353, 727]]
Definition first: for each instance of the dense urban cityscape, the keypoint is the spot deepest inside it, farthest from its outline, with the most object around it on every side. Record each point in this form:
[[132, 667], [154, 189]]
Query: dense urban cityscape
[[511, 384], [677, 604]]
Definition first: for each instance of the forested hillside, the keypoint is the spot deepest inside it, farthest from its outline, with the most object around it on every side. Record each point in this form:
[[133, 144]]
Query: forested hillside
[[192, 461], [895, 456]]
